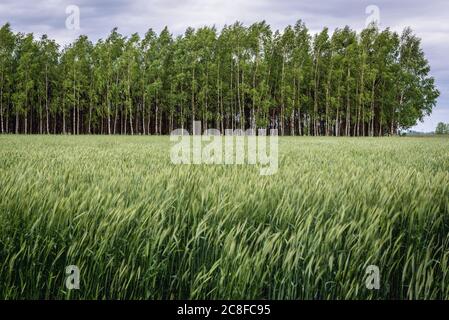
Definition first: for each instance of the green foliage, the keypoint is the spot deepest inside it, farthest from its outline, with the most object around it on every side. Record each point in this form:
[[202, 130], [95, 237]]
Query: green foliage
[[139, 227]]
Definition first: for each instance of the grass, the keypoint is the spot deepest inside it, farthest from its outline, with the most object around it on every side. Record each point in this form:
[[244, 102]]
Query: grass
[[139, 227]]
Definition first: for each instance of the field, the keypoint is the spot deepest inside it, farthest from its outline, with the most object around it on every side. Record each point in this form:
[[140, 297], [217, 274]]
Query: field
[[139, 227]]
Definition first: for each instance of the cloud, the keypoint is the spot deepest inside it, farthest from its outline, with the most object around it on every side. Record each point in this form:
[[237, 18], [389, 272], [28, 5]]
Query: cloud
[[428, 19]]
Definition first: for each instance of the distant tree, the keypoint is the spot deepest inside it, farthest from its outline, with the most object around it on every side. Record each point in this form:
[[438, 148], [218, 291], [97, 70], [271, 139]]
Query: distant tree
[[25, 82], [47, 82], [442, 128], [7, 45]]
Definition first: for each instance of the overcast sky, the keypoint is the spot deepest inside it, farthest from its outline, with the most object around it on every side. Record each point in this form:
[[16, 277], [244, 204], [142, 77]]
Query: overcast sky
[[429, 19]]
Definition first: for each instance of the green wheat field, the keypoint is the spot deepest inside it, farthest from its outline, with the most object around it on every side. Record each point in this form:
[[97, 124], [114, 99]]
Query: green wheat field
[[140, 227]]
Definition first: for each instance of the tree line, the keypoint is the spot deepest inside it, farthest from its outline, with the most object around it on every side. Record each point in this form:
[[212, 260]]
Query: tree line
[[340, 83]]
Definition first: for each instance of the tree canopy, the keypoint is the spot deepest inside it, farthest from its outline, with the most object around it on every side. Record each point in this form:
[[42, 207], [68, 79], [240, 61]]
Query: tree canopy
[[371, 83]]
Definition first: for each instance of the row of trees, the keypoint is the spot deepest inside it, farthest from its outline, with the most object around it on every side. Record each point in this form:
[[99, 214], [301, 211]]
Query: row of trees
[[368, 84]]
